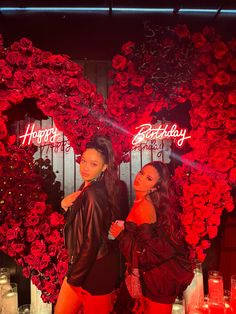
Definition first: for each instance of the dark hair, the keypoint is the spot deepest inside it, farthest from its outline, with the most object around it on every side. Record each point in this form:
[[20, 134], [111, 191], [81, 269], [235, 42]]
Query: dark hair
[[104, 146], [164, 201]]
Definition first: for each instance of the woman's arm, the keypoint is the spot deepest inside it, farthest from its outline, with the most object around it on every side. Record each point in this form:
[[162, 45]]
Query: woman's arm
[[69, 200]]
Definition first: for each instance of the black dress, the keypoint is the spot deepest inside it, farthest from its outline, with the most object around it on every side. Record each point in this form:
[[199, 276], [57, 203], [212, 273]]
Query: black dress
[[94, 260], [165, 268]]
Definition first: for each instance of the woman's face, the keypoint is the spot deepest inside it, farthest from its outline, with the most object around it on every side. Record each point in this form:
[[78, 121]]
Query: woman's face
[[146, 179], [91, 164]]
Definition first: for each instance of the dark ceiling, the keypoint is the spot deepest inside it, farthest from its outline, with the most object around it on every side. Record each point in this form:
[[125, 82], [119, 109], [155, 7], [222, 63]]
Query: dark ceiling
[[99, 34]]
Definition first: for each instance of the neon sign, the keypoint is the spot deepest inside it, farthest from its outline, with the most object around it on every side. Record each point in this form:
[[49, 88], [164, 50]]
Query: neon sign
[[148, 133], [44, 138]]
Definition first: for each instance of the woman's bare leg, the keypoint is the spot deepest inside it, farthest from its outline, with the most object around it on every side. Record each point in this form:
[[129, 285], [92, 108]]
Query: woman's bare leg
[[154, 308], [69, 300], [99, 304]]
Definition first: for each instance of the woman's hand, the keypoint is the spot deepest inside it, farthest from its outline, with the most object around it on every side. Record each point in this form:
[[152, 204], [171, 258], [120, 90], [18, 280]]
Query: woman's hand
[[116, 229], [69, 200]]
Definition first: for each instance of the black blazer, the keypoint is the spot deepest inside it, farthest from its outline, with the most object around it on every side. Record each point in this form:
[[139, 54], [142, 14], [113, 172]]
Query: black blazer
[[86, 231]]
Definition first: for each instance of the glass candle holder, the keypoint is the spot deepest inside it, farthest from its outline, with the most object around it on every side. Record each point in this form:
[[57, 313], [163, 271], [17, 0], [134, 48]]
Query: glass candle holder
[[215, 287], [233, 294], [26, 309], [194, 294], [177, 307], [4, 274], [10, 299]]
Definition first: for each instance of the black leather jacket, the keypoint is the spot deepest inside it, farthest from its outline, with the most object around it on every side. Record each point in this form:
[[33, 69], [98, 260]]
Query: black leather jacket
[[86, 231]]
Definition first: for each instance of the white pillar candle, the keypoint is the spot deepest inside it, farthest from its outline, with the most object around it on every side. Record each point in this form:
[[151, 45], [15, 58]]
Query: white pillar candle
[[177, 309], [4, 286], [10, 303]]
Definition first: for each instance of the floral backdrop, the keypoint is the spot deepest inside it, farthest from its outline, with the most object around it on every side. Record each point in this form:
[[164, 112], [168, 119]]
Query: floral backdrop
[[171, 67]]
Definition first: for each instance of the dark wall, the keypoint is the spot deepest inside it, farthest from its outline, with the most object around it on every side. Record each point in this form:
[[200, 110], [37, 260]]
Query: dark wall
[[96, 36]]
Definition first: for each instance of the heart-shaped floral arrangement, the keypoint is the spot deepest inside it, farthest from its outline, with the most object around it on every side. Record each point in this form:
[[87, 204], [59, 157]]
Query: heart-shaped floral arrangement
[[170, 68]]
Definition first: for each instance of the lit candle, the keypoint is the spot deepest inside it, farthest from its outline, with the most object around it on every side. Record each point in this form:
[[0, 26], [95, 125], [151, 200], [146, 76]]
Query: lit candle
[[3, 279], [177, 308], [10, 303], [215, 286]]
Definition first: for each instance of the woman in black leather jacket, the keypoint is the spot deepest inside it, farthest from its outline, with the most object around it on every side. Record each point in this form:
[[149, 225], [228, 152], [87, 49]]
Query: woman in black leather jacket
[[94, 259]]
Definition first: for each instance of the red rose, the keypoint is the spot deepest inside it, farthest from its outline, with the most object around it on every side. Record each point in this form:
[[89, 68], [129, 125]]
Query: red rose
[[26, 272], [36, 281], [57, 60], [215, 135], [18, 247], [225, 62], [192, 238], [231, 126], [3, 151], [127, 48], [212, 69], [44, 261], [52, 250], [122, 78], [6, 72], [56, 219], [205, 244], [85, 86], [12, 234], [205, 59], [198, 225], [14, 57], [182, 30], [220, 49], [10, 251], [198, 201], [195, 98], [229, 205], [31, 220], [199, 40], [147, 89], [232, 97], [4, 105], [15, 97], [233, 64], [63, 255], [222, 165], [222, 78], [137, 80], [55, 237], [215, 123], [50, 287], [53, 82], [214, 220], [131, 100], [45, 229], [187, 218], [30, 235], [203, 112], [62, 268], [200, 254], [3, 129], [38, 208], [232, 175], [212, 231], [119, 62], [38, 247], [72, 68], [217, 100]]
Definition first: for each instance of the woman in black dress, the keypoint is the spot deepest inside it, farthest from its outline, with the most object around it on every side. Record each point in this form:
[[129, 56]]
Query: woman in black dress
[[151, 241], [94, 259]]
